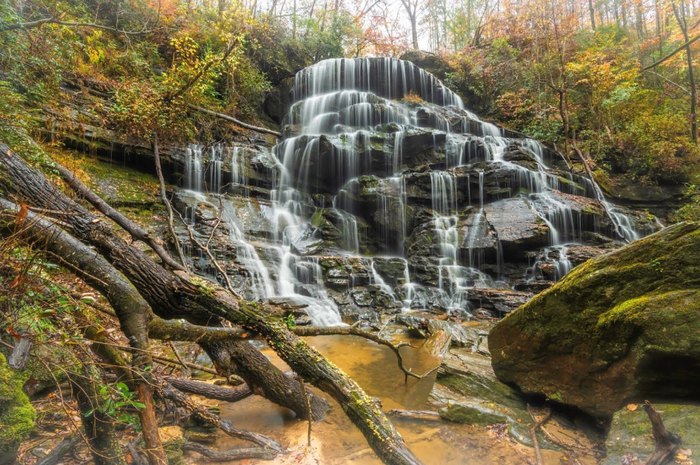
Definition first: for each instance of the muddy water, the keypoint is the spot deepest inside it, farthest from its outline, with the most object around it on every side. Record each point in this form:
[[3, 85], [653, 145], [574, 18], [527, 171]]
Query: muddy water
[[335, 440]]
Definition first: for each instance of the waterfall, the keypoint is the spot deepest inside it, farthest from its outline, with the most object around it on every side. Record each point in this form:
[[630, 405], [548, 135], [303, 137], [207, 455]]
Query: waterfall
[[381, 163], [193, 168]]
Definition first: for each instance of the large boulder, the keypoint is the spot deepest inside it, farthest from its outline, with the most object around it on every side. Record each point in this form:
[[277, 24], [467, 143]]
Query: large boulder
[[621, 327]]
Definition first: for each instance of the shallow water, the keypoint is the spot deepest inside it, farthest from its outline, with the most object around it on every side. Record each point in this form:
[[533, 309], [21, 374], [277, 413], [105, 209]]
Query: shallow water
[[336, 441]]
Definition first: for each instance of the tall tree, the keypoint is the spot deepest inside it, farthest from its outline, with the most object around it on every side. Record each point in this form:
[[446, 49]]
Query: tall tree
[[411, 7], [679, 11]]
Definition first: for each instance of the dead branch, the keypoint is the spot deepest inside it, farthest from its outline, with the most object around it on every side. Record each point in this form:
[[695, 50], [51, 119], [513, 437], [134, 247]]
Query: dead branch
[[169, 392], [665, 442], [182, 330], [236, 121], [533, 432], [354, 331], [210, 391], [125, 223], [230, 455], [427, 415], [598, 192], [166, 201], [211, 257], [675, 51], [170, 344]]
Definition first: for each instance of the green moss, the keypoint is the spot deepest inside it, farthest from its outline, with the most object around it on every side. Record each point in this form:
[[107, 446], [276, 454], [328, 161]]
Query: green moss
[[471, 414], [119, 185], [624, 307], [318, 219], [17, 415]]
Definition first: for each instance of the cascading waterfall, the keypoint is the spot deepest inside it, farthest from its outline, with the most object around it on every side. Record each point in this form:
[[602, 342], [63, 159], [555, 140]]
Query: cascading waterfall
[[377, 164]]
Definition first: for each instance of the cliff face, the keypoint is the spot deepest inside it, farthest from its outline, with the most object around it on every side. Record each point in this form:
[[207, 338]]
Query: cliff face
[[621, 327]]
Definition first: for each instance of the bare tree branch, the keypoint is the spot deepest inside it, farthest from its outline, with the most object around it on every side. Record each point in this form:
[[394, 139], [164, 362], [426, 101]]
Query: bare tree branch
[[52, 20]]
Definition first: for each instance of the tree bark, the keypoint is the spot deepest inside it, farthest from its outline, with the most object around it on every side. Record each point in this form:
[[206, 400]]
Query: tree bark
[[180, 295], [129, 226], [211, 391], [135, 315], [132, 311], [679, 12], [99, 427], [241, 358]]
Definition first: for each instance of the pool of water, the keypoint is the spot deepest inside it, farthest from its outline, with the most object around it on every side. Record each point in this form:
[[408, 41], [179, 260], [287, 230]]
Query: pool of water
[[336, 441]]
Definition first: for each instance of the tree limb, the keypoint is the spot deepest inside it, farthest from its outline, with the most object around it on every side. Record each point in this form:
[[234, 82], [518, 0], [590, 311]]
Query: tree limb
[[236, 121], [129, 226], [533, 432], [211, 391], [181, 399], [166, 201], [665, 442], [176, 295], [52, 20], [230, 455], [354, 331], [675, 51]]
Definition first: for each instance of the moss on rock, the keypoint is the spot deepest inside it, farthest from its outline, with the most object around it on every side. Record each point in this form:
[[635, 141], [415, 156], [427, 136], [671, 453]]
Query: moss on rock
[[17, 415], [618, 327]]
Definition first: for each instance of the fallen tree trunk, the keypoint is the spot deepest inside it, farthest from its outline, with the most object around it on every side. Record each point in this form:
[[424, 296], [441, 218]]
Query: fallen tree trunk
[[230, 455], [129, 226], [131, 309], [136, 319], [179, 295]]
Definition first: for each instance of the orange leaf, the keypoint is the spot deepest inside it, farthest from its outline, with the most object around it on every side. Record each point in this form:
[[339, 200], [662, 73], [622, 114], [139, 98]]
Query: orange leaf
[[22, 214]]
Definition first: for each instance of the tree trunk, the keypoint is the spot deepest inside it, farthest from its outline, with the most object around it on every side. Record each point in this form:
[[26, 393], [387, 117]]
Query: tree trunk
[[591, 11], [134, 314], [679, 12], [99, 427], [180, 295], [241, 358], [211, 391]]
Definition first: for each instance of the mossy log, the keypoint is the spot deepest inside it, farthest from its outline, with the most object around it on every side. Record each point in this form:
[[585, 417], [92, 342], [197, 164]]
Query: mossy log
[[180, 295], [136, 318]]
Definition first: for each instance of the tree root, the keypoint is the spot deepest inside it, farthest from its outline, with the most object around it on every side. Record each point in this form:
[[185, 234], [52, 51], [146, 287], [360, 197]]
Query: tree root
[[533, 432]]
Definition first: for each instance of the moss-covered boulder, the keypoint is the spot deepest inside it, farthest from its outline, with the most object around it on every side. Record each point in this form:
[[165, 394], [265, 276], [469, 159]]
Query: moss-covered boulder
[[621, 327], [16, 413]]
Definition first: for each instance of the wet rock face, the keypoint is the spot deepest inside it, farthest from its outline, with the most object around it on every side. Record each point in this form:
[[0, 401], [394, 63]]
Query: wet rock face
[[621, 327], [517, 226]]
